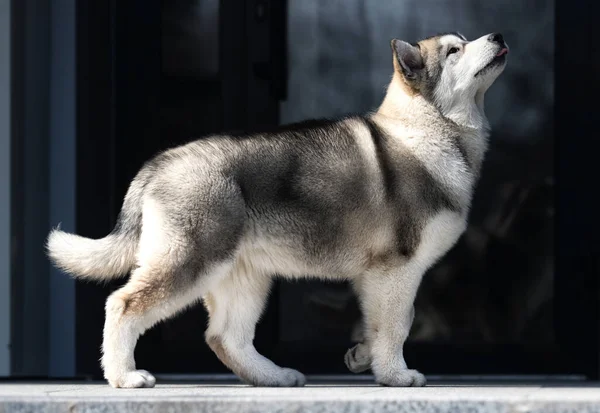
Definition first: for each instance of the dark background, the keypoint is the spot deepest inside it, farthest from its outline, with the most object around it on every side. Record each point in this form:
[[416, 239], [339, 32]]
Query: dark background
[[517, 296]]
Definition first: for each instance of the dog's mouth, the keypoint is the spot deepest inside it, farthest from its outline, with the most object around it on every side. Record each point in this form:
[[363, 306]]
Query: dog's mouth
[[499, 59]]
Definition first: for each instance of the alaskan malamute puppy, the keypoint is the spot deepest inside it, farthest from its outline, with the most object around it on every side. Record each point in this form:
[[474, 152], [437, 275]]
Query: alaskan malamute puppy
[[373, 199]]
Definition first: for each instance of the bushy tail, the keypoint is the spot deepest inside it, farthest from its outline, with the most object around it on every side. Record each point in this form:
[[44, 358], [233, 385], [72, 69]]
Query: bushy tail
[[101, 259], [105, 258]]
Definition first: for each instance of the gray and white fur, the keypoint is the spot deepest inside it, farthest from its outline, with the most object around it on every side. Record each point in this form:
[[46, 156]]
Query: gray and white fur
[[373, 199]]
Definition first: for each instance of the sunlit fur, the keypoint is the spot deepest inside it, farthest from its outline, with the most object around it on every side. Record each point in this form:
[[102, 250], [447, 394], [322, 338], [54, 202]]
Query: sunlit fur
[[374, 199]]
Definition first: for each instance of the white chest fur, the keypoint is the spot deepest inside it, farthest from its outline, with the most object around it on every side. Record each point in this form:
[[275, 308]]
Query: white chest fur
[[444, 161], [439, 235], [450, 154]]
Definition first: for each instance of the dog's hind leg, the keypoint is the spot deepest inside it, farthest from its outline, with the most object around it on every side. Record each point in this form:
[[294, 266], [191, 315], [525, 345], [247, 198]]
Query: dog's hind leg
[[235, 306], [150, 296], [191, 226], [173, 273]]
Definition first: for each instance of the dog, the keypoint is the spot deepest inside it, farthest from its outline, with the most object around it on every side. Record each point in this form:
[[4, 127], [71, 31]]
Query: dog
[[374, 199]]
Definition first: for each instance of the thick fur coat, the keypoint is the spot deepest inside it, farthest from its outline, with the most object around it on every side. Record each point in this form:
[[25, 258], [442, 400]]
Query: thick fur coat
[[373, 199]]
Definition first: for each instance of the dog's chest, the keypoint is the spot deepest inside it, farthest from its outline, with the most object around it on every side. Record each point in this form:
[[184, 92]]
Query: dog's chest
[[445, 161], [450, 156], [439, 234]]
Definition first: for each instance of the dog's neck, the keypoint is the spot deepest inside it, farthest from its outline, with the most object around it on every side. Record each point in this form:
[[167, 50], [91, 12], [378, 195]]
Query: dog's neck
[[403, 105], [401, 102], [466, 110]]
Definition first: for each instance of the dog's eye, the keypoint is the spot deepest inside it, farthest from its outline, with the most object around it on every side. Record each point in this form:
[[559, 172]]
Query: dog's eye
[[452, 50]]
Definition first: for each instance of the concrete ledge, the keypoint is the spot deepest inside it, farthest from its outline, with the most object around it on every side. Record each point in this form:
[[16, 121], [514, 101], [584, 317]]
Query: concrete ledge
[[72, 398]]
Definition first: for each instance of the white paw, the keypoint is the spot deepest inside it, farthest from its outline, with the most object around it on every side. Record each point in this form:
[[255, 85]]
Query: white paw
[[133, 380], [292, 378], [356, 360], [282, 378], [403, 378]]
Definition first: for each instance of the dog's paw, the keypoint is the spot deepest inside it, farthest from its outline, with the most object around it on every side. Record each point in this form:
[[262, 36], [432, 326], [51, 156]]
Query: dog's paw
[[404, 378], [283, 378], [133, 380], [292, 378], [357, 359]]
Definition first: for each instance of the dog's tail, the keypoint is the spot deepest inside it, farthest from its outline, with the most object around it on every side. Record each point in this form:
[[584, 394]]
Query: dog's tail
[[106, 258]]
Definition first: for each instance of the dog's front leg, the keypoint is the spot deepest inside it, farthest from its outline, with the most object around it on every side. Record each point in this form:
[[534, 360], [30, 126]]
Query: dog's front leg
[[358, 358], [387, 302]]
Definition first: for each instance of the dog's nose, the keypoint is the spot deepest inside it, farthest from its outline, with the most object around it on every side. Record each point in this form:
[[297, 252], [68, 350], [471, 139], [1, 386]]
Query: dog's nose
[[496, 38]]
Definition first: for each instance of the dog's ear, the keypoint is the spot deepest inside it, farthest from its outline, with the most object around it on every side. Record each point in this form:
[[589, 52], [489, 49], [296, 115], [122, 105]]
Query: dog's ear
[[407, 58]]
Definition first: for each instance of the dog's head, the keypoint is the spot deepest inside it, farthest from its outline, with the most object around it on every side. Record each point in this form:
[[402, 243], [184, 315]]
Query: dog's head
[[448, 69]]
